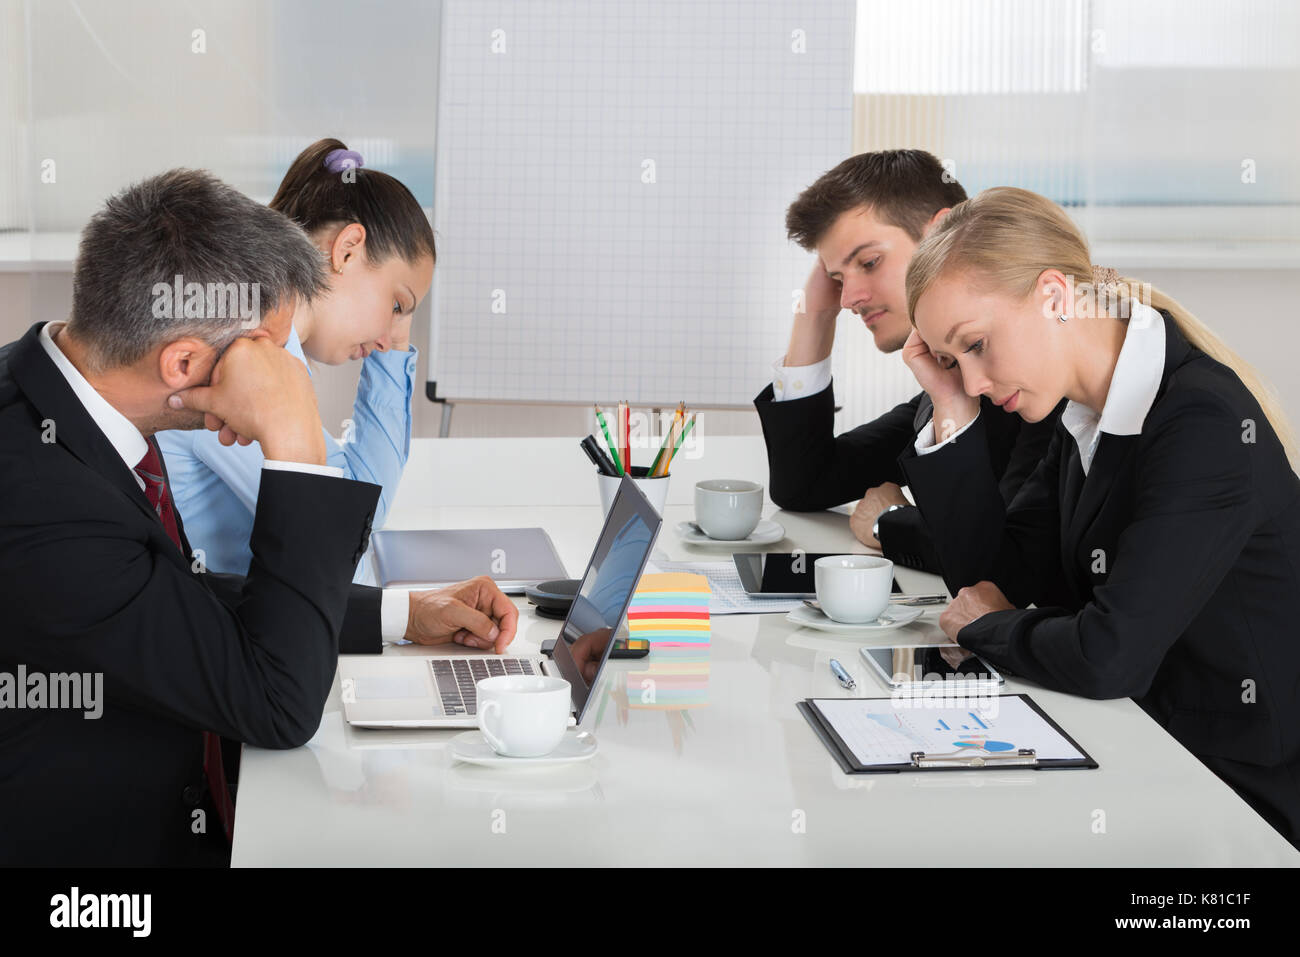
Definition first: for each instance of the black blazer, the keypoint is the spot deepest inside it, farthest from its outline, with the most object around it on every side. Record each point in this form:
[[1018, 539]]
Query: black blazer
[[1168, 574], [93, 584], [810, 468]]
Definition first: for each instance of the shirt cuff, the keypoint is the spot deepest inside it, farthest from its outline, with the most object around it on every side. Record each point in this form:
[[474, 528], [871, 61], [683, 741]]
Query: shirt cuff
[[795, 382], [394, 614], [331, 470], [925, 438], [397, 358]]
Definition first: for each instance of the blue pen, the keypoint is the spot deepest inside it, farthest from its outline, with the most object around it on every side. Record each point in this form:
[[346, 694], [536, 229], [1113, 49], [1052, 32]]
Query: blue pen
[[842, 676]]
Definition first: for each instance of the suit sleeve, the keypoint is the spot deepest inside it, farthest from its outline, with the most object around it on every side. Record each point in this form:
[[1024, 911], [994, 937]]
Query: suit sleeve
[[975, 536], [360, 634], [811, 468], [1191, 520], [1029, 448], [905, 539], [92, 594]]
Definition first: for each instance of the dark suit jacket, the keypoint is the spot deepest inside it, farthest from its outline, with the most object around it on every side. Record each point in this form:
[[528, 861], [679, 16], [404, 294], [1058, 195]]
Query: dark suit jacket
[[93, 584], [810, 468], [1168, 574]]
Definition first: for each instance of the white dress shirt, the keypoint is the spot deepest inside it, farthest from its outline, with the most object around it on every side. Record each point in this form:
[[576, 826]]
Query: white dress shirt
[[795, 382], [1133, 388], [132, 446], [117, 428]]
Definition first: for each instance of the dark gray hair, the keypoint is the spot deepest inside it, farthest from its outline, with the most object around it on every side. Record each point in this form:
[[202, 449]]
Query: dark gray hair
[[184, 230]]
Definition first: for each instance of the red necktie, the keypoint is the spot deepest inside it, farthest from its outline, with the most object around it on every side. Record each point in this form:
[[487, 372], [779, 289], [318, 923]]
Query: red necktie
[[155, 489]]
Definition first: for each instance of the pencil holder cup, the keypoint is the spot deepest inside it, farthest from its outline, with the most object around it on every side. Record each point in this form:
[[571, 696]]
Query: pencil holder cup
[[654, 489]]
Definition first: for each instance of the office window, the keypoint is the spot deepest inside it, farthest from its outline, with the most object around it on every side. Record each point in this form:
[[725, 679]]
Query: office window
[[14, 214], [122, 89], [1154, 120]]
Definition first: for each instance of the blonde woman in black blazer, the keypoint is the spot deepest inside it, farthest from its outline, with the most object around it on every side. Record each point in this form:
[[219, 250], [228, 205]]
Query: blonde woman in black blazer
[[1159, 540]]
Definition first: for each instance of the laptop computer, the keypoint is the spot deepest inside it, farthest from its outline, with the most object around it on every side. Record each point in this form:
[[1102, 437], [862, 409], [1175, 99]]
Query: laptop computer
[[439, 692]]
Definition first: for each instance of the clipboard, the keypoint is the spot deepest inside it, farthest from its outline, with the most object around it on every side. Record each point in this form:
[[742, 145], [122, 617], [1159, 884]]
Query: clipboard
[[956, 760]]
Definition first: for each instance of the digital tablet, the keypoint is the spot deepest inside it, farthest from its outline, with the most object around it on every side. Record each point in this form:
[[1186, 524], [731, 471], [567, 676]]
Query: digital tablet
[[781, 574], [932, 670]]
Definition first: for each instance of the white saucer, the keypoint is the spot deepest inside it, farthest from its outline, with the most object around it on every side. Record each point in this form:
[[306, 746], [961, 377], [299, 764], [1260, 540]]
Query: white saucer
[[472, 748], [894, 617], [765, 533]]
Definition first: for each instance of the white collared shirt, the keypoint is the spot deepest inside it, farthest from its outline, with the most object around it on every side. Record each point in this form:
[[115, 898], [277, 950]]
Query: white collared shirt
[[795, 382], [1133, 388], [117, 428]]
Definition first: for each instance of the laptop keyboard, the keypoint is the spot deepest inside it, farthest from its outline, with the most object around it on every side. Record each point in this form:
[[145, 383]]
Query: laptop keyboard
[[456, 678]]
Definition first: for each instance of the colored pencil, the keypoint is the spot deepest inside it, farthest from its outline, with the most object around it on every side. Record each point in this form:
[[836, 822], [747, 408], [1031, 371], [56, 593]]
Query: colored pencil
[[624, 435], [682, 438], [665, 445], [618, 462]]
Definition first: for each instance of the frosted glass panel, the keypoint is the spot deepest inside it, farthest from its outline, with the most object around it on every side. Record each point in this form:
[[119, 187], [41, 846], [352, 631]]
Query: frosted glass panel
[[122, 89], [1093, 102]]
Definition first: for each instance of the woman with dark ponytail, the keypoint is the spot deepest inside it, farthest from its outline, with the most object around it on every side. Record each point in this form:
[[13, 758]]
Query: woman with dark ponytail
[[379, 254]]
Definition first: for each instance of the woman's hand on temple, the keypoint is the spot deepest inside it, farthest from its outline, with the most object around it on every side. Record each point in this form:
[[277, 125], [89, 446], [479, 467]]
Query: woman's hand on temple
[[953, 408]]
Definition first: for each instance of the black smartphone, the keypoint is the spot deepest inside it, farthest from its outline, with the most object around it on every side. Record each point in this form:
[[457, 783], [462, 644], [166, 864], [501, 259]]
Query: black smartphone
[[781, 574], [623, 648]]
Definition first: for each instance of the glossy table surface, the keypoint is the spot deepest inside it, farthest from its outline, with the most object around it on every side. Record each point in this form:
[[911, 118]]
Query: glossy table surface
[[737, 777]]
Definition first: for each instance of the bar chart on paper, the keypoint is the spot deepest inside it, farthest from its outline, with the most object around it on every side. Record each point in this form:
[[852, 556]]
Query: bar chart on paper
[[882, 731]]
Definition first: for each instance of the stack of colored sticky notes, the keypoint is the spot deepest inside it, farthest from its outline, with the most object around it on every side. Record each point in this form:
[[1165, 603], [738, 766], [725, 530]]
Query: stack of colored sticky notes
[[671, 611]]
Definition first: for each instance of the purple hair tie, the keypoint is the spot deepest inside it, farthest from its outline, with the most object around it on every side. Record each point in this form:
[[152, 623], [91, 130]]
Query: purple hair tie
[[336, 161]]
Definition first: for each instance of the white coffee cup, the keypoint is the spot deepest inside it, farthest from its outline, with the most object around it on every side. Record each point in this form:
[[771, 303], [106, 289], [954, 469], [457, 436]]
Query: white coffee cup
[[728, 509], [523, 716], [853, 588]]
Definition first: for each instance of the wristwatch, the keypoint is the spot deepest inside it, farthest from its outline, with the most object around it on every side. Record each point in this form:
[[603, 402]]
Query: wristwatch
[[875, 529]]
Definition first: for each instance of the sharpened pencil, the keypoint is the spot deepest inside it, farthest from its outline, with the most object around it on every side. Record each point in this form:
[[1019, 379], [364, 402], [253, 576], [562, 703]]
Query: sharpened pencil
[[682, 438], [618, 462]]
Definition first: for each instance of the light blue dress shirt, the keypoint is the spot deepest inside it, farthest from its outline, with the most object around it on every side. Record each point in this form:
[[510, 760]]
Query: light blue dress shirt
[[215, 487]]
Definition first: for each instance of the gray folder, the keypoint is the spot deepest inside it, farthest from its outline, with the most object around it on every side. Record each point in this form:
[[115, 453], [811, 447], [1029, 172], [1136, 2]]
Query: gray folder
[[512, 557]]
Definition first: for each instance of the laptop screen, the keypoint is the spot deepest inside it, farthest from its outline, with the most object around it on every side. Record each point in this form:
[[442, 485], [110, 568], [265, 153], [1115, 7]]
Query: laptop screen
[[606, 591]]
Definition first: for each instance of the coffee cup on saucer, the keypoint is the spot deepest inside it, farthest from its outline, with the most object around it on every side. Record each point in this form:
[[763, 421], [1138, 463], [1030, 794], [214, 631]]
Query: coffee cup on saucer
[[853, 589], [728, 509], [523, 716]]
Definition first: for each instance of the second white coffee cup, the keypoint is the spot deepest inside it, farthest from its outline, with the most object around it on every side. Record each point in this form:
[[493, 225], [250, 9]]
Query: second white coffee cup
[[853, 588], [728, 509], [523, 716]]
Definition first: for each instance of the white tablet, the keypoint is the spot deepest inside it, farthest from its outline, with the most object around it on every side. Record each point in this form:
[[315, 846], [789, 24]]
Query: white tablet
[[924, 670]]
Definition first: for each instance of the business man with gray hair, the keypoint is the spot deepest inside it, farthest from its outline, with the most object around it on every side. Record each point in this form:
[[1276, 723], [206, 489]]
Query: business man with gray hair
[[183, 296]]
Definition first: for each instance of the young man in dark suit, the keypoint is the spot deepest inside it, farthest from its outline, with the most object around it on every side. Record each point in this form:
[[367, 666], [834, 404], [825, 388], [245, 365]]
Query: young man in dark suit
[[864, 218], [102, 595]]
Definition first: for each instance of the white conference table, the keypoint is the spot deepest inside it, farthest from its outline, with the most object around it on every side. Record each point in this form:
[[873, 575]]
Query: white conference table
[[738, 779]]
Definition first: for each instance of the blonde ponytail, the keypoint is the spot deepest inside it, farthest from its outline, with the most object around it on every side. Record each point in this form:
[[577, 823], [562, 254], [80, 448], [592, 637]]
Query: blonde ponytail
[[1199, 335]]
